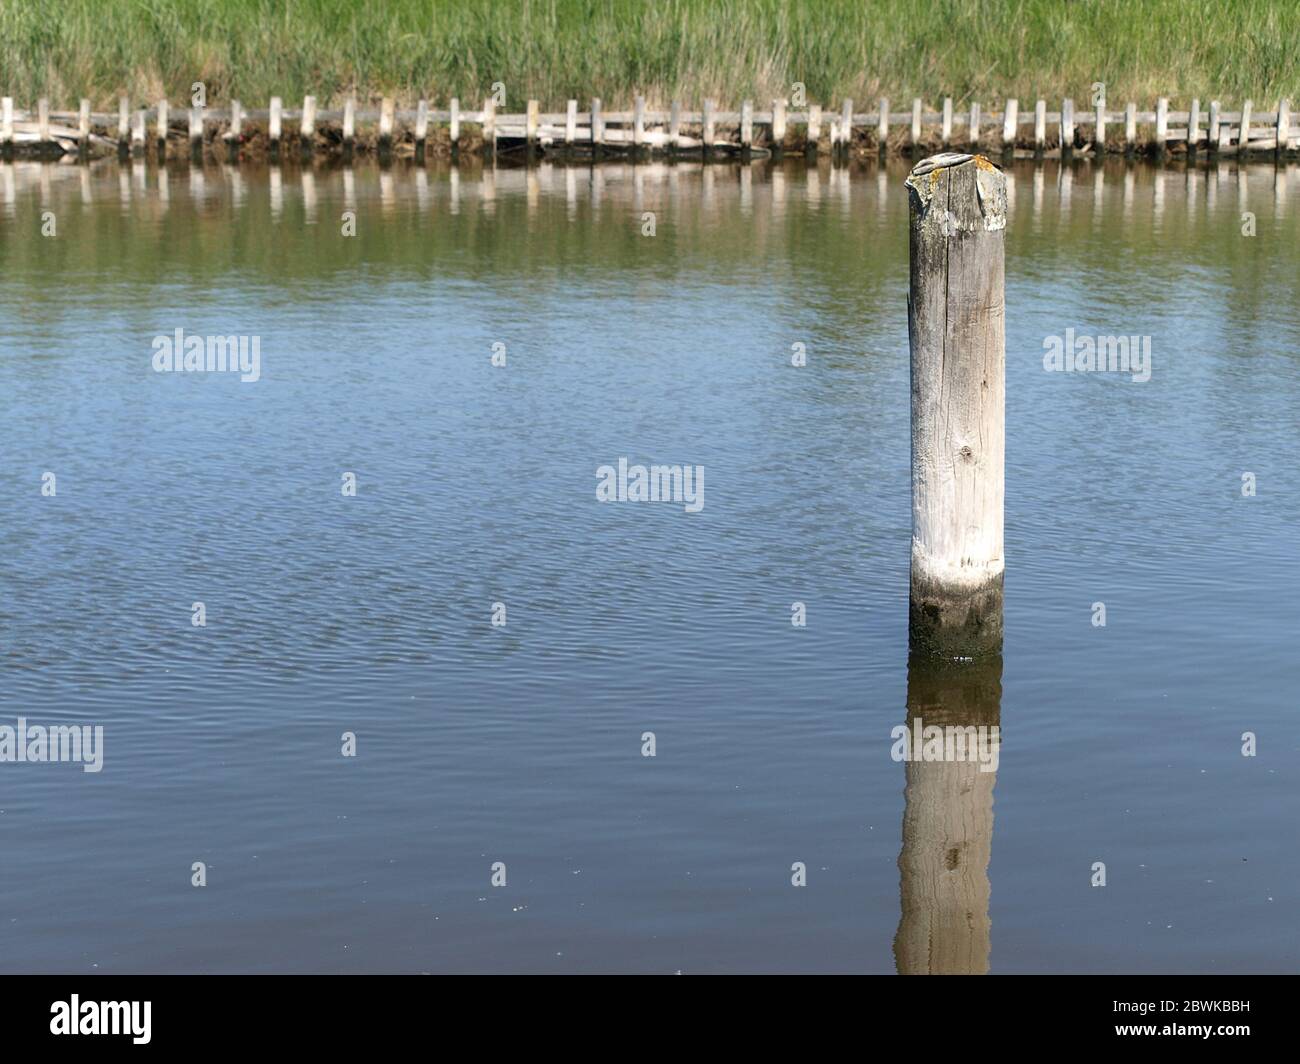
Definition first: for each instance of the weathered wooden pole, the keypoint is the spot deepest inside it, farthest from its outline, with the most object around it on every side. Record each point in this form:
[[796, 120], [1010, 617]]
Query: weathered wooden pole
[[778, 127], [489, 128], [83, 127], [235, 131], [164, 124], [746, 129], [1099, 127], [1162, 124], [1212, 134], [570, 124], [638, 127], [882, 127], [1010, 124], [453, 126], [709, 130], [1283, 127], [532, 117], [421, 127], [1040, 126], [1243, 136], [7, 127], [947, 122], [916, 126], [386, 120], [273, 125], [43, 122], [123, 125], [350, 125], [958, 355], [596, 127], [196, 132], [813, 134], [1193, 127], [1067, 128]]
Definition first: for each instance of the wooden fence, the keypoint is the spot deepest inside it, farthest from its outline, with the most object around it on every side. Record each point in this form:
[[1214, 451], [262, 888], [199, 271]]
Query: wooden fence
[[641, 131]]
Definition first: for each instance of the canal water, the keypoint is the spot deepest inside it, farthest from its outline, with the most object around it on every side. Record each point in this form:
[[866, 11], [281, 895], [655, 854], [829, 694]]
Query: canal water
[[471, 347]]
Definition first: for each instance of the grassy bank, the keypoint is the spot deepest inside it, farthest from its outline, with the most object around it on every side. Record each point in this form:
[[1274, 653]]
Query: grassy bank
[[729, 49]]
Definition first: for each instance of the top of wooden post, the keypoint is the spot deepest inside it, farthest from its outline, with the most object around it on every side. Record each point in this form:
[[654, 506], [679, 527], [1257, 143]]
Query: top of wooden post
[[971, 190]]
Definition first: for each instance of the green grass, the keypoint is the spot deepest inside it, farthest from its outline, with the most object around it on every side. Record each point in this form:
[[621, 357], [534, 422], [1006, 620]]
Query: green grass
[[729, 49]]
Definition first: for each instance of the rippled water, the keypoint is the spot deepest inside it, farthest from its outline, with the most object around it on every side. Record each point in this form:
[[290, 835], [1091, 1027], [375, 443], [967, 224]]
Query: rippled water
[[476, 484]]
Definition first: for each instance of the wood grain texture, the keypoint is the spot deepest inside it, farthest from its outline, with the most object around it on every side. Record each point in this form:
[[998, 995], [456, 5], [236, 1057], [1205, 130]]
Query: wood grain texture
[[956, 309]]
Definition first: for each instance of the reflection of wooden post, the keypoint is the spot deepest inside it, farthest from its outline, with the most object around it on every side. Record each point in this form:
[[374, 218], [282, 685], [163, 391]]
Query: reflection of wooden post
[[958, 355], [947, 827]]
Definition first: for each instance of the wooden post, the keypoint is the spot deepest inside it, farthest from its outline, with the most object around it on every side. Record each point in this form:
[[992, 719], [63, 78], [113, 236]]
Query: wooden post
[[530, 129], [421, 125], [916, 125], [1162, 124], [746, 128], [958, 355], [597, 128], [1010, 125], [43, 121], [83, 128], [814, 131], [7, 126], [973, 132], [273, 129], [236, 129], [386, 124], [709, 128], [453, 127], [570, 123], [1215, 132], [778, 127], [1099, 128], [489, 128], [196, 131], [350, 125], [1040, 126], [164, 123], [123, 124], [1283, 127], [947, 122], [846, 129], [1067, 127], [882, 126], [138, 133], [1193, 127], [638, 127], [1243, 136], [1130, 127]]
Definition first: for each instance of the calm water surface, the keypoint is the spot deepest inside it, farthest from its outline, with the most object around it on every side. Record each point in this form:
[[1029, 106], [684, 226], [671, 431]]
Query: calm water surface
[[476, 484]]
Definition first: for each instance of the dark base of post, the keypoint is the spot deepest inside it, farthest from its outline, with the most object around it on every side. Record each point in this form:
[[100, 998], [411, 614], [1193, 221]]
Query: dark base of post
[[950, 624]]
